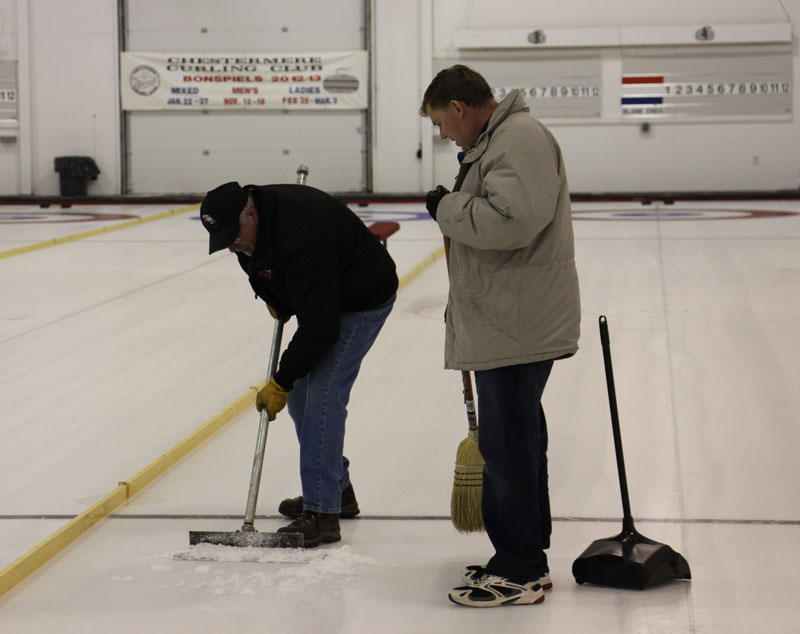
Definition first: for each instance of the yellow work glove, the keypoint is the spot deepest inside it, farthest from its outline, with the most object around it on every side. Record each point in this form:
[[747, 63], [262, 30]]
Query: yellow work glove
[[273, 397], [272, 311]]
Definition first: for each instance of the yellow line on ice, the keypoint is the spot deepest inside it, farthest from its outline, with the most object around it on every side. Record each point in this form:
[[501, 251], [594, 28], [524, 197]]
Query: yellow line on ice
[[37, 556], [413, 273], [95, 232], [42, 552]]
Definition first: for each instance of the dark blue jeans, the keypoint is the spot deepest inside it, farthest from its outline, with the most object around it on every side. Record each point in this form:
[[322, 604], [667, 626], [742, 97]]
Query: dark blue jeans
[[513, 442], [318, 407]]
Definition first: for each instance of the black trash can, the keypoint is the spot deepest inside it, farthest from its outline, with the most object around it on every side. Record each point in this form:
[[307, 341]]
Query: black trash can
[[74, 172]]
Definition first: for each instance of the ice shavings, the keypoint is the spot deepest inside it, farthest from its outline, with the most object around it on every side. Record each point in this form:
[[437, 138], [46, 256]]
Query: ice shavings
[[336, 560], [228, 569]]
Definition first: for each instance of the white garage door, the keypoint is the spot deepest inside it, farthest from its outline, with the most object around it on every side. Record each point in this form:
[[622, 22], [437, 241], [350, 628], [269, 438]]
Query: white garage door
[[192, 151]]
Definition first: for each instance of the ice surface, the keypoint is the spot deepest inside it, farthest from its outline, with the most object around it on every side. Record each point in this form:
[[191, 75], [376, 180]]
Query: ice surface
[[115, 348]]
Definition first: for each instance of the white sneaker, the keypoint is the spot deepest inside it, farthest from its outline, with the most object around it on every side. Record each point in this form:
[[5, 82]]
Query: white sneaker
[[490, 591], [471, 573]]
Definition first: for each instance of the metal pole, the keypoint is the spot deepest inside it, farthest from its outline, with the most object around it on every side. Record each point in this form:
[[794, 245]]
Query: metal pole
[[263, 429], [122, 26], [368, 115], [263, 420]]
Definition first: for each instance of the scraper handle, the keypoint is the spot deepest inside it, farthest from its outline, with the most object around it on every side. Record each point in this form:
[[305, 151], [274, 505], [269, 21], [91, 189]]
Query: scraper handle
[[261, 440], [263, 420]]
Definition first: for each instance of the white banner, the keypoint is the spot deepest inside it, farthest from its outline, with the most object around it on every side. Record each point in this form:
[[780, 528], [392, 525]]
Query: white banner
[[280, 81]]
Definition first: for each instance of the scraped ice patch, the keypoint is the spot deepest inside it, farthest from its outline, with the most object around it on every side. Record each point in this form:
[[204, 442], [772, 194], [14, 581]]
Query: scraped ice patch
[[235, 554], [334, 560], [297, 567]]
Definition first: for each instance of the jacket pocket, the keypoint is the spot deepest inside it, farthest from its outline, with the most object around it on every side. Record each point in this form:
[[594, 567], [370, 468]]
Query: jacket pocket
[[493, 300]]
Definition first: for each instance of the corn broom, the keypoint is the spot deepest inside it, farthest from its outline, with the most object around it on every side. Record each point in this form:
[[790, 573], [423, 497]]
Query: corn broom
[[465, 502]]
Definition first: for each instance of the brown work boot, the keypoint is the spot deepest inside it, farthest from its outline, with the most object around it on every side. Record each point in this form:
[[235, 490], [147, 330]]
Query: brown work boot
[[293, 507], [316, 528]]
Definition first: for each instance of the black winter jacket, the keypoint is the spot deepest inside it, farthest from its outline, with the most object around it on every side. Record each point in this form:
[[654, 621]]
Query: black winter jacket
[[314, 259]]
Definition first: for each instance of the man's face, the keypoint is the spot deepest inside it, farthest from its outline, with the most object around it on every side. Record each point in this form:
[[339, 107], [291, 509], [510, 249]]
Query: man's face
[[248, 232], [454, 124]]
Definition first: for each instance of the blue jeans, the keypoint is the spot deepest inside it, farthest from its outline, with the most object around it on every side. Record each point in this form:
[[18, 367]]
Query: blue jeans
[[318, 407], [513, 441]]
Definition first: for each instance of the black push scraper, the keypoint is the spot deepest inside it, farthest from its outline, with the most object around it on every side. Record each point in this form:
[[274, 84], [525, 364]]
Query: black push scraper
[[248, 536]]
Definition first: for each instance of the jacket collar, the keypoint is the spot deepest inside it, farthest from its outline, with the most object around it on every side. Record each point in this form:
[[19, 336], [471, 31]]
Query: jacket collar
[[263, 253], [514, 102]]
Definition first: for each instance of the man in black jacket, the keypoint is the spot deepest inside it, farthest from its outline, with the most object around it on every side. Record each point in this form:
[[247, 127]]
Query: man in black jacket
[[306, 254]]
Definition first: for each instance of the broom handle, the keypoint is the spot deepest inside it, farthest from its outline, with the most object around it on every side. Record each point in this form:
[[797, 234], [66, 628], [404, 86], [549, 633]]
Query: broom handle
[[612, 402], [466, 380], [469, 401]]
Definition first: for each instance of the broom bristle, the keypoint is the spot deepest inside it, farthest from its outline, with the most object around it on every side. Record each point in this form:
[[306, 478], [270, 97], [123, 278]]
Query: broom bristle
[[465, 503]]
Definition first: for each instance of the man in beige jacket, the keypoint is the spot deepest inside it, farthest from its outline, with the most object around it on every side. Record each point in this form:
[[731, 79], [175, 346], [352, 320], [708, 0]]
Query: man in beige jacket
[[513, 308]]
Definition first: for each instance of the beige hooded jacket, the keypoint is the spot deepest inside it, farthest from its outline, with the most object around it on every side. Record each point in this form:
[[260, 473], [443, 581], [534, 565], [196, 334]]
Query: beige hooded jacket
[[513, 284]]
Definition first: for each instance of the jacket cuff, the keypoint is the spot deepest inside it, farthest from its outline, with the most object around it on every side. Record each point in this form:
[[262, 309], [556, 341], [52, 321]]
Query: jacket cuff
[[284, 380]]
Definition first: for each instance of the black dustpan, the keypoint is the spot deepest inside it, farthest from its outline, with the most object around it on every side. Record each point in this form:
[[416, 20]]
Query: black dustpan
[[627, 560]]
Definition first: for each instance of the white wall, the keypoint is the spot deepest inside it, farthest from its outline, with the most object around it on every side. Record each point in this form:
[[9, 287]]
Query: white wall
[[396, 77], [618, 157], [9, 129], [67, 85], [70, 50], [74, 98]]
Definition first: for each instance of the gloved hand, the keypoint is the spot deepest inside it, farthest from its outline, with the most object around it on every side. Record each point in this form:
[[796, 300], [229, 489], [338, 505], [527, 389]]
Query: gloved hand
[[273, 397], [272, 311], [434, 197]]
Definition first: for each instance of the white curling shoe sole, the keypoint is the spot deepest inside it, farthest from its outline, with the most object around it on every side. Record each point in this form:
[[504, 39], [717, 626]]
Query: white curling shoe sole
[[489, 591]]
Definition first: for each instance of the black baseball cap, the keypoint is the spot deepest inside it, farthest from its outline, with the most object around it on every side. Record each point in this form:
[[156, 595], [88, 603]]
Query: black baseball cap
[[220, 212]]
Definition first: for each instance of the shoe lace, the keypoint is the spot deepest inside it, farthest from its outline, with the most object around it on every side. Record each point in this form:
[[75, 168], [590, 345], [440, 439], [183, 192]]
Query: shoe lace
[[484, 578], [305, 518]]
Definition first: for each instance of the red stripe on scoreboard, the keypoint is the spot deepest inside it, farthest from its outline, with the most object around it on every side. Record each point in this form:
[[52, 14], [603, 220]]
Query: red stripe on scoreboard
[[650, 79]]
